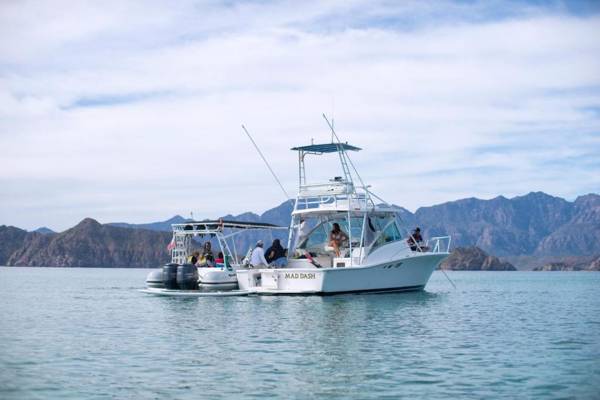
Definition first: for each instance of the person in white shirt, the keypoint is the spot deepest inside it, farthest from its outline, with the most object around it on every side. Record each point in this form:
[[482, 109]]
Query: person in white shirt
[[258, 256]]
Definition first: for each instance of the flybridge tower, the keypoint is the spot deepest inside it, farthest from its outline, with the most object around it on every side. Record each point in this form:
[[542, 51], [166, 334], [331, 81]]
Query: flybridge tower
[[340, 195], [340, 192], [320, 149]]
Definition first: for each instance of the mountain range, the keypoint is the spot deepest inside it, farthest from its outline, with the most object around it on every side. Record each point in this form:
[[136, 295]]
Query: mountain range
[[526, 228], [535, 224]]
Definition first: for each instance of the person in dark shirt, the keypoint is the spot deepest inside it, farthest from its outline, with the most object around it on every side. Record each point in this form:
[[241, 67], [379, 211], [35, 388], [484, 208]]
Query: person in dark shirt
[[417, 235], [415, 241], [275, 255]]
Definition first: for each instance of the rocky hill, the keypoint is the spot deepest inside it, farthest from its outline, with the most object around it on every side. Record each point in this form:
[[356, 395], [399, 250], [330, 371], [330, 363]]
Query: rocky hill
[[44, 230], [534, 224], [474, 259], [593, 265], [90, 244], [580, 235], [11, 239], [164, 226]]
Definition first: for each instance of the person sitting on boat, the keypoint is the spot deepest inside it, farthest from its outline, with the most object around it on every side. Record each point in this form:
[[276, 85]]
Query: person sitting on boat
[[207, 258], [258, 256], [193, 259], [415, 241], [276, 255], [220, 259], [337, 238]]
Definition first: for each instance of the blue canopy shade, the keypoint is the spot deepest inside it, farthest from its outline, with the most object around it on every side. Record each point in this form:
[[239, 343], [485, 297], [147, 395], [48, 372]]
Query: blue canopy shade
[[326, 148]]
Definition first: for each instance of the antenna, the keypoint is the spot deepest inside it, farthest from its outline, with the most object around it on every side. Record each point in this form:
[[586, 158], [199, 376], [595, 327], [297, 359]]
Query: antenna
[[332, 117], [267, 163], [333, 134]]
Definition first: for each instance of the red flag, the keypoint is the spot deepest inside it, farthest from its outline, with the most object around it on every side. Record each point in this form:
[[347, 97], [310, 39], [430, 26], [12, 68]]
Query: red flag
[[171, 245]]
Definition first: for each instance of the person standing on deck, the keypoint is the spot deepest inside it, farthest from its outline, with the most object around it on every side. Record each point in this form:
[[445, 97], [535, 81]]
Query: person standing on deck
[[258, 256]]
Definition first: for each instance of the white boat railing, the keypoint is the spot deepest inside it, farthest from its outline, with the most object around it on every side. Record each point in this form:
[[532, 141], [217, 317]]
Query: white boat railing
[[331, 188], [354, 201], [437, 244]]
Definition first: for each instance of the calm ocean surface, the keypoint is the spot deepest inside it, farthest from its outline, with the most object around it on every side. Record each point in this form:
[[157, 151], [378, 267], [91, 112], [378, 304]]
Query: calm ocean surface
[[89, 334]]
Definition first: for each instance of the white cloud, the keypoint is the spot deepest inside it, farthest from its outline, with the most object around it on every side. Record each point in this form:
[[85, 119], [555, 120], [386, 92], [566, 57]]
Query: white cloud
[[132, 111]]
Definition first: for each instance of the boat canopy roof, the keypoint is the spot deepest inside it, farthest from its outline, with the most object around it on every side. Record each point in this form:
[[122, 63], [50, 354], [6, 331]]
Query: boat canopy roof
[[219, 225], [326, 148], [327, 209]]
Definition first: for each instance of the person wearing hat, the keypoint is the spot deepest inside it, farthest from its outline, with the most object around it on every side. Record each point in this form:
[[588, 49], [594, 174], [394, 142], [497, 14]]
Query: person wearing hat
[[257, 259]]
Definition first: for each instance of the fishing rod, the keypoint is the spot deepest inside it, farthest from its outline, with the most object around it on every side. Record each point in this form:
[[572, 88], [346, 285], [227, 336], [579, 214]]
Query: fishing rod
[[268, 166]]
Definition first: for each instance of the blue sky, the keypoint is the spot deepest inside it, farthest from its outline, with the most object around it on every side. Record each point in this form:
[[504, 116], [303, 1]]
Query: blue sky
[[131, 110]]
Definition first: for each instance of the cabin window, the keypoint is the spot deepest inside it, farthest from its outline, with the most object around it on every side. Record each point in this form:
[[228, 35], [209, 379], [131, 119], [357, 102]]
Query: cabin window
[[389, 234], [356, 223], [317, 239]]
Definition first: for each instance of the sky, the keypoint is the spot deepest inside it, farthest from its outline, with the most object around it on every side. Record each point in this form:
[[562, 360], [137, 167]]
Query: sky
[[132, 110]]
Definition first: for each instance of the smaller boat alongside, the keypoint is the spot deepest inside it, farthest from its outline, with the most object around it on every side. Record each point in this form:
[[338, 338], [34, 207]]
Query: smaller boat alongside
[[208, 274]]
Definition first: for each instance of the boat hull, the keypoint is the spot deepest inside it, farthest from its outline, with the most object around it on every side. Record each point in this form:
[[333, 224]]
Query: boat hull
[[193, 293], [216, 276], [410, 273]]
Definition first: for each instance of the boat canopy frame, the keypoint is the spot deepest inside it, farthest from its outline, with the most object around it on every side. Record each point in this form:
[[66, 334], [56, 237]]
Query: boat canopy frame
[[184, 232]]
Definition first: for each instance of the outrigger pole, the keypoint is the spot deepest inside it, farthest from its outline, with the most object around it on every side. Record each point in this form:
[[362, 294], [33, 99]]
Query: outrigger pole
[[268, 166]]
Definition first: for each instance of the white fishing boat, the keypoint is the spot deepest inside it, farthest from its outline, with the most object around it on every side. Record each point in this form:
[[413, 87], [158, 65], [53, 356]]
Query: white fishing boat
[[375, 257], [214, 272]]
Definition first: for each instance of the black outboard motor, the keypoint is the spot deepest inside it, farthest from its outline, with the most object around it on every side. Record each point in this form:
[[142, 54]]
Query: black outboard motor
[[187, 277], [170, 276]]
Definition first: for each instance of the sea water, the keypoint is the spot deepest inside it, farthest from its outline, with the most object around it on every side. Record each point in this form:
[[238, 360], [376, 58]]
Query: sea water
[[90, 334]]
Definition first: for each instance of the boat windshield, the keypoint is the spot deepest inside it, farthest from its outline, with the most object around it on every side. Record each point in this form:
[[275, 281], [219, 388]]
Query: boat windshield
[[387, 232], [378, 230]]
